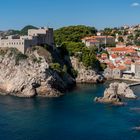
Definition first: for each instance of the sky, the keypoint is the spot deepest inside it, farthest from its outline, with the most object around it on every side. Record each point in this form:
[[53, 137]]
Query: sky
[[15, 14]]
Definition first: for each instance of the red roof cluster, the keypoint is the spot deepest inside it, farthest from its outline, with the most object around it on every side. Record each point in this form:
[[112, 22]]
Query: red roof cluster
[[128, 62], [96, 37], [121, 67], [123, 49]]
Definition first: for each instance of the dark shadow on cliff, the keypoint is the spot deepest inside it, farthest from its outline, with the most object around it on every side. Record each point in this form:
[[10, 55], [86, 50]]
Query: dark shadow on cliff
[[60, 64]]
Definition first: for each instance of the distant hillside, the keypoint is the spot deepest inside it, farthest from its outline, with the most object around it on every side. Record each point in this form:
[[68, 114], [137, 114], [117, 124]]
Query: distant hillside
[[23, 31], [129, 35]]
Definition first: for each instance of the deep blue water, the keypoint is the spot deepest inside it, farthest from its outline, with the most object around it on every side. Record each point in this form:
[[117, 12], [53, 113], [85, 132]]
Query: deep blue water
[[71, 117]]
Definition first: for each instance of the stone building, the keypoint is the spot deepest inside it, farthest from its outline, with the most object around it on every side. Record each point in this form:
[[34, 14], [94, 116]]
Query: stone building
[[35, 37], [98, 40], [117, 73], [135, 68]]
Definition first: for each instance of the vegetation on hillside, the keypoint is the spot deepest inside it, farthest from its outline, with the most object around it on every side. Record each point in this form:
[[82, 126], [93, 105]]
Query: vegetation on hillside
[[125, 35], [73, 33], [69, 42]]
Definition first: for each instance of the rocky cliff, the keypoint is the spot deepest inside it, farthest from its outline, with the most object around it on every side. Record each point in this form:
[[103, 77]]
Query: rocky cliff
[[85, 75], [28, 76], [115, 92], [41, 72]]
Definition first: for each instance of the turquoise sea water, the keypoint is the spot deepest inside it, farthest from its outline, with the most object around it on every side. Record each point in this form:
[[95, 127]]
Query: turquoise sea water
[[71, 117]]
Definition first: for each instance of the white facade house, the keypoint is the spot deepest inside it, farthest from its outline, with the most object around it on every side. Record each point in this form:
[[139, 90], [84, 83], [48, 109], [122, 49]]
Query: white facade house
[[35, 37], [98, 40], [90, 43]]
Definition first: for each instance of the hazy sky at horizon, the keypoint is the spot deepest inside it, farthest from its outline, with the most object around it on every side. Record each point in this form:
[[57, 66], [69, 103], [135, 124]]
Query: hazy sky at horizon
[[16, 14]]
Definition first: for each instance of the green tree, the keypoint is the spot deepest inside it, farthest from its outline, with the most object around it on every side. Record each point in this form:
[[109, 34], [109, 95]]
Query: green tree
[[73, 33], [24, 31], [120, 39]]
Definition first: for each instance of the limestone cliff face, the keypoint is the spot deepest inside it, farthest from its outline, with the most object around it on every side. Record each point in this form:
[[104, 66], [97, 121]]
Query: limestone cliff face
[[31, 76], [85, 75]]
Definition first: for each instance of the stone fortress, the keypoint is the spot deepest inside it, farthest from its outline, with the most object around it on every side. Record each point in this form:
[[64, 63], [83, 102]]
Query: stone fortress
[[35, 37]]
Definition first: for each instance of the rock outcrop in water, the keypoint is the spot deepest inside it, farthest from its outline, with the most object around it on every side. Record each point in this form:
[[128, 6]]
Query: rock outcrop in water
[[86, 75], [29, 76], [114, 93]]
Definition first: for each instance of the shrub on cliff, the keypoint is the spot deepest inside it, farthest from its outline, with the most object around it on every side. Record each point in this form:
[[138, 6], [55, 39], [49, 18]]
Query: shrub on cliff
[[56, 67], [20, 56], [84, 54], [2, 52], [72, 47], [74, 73]]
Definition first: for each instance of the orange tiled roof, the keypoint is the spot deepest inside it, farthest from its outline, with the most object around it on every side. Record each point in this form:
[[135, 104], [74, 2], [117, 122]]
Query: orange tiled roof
[[117, 61], [110, 65], [130, 51], [123, 49], [104, 37], [114, 56], [128, 62], [121, 67], [93, 40], [96, 37]]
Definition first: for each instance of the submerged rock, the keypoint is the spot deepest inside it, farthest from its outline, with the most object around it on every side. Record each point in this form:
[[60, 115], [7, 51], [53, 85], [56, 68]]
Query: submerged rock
[[135, 109], [136, 128], [114, 93]]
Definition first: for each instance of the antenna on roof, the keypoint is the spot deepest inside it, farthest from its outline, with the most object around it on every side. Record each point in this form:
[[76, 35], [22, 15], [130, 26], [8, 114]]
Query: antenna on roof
[[48, 25]]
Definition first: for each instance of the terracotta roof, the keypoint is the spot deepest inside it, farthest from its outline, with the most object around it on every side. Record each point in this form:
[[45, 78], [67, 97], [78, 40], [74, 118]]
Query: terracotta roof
[[131, 51], [123, 49], [110, 65], [121, 67], [93, 40], [96, 37], [117, 61], [128, 62], [104, 37], [114, 55]]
